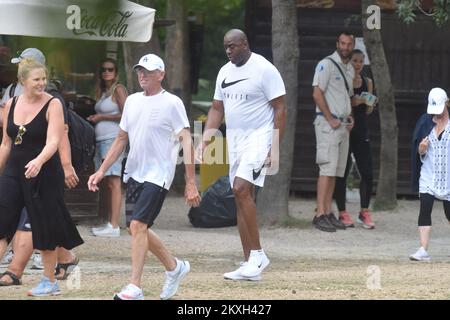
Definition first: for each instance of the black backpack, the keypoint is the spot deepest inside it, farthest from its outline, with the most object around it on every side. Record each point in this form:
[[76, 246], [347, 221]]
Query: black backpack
[[217, 208], [82, 140]]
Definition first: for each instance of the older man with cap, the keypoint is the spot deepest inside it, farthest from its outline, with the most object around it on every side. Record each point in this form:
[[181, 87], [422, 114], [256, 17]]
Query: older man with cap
[[154, 122], [434, 154]]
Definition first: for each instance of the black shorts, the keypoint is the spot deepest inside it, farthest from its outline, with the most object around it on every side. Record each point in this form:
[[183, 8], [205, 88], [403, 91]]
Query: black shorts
[[24, 222], [143, 202]]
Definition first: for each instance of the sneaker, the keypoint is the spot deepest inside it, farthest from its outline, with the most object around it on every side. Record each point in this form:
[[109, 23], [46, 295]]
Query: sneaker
[[7, 258], [173, 280], [45, 288], [323, 224], [256, 264], [236, 274], [366, 220], [335, 222], [420, 255], [37, 261], [345, 218], [129, 292], [108, 232], [106, 225]]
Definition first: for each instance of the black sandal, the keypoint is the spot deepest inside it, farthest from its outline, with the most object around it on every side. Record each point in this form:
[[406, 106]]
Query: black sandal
[[15, 279], [67, 267]]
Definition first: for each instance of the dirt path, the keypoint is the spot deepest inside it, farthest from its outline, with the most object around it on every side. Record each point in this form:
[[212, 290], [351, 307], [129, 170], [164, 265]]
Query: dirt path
[[305, 263]]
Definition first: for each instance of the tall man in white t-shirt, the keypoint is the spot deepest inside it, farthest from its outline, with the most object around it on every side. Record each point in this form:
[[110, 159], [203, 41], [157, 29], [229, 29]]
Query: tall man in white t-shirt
[[154, 122], [250, 95]]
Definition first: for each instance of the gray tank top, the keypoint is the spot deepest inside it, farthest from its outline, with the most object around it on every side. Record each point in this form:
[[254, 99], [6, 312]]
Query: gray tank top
[[105, 130]]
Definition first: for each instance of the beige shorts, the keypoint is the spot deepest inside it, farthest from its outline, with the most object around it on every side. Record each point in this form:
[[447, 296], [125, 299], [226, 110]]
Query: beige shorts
[[331, 148]]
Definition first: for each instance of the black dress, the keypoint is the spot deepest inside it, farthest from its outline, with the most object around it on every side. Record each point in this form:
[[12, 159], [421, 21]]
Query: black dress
[[43, 196]]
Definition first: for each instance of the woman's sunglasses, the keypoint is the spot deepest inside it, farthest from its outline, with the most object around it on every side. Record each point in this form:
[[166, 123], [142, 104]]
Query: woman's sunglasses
[[107, 69], [20, 133]]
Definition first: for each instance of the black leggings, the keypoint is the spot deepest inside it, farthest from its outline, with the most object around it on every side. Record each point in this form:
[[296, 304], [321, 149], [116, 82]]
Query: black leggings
[[360, 147], [426, 206]]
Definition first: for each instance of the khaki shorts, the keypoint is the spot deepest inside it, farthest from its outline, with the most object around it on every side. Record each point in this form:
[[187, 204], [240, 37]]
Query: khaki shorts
[[331, 148]]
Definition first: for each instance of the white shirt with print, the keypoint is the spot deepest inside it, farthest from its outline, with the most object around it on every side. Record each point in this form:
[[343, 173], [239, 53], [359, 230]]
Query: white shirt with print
[[152, 123], [246, 92], [434, 173]]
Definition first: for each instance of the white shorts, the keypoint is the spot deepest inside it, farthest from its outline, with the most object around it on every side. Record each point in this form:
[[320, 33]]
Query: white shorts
[[247, 153]]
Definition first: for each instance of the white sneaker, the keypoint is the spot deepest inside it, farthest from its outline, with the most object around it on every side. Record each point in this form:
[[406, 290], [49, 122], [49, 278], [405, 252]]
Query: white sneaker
[[37, 261], [236, 274], [108, 232], [130, 292], [420, 255], [257, 262], [7, 258], [173, 280], [106, 225]]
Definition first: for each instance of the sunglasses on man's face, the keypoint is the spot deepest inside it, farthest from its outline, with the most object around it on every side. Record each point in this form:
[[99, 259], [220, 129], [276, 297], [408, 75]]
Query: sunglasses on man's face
[[107, 69], [20, 133]]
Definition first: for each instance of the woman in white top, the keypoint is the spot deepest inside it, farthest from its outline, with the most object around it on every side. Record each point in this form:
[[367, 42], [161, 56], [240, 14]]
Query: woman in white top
[[110, 96], [434, 181]]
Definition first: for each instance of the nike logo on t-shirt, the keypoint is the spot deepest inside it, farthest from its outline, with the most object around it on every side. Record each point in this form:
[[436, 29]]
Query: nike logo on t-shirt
[[224, 84]]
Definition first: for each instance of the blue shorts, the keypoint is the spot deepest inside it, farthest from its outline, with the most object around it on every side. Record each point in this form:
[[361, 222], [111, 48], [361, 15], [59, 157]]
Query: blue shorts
[[101, 150], [143, 202]]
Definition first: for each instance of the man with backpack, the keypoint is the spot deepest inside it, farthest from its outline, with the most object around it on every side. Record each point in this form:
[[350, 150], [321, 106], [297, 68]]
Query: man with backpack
[[23, 242]]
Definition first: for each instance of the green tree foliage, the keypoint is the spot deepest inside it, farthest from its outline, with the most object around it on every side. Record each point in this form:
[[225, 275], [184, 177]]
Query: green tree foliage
[[218, 17], [407, 10]]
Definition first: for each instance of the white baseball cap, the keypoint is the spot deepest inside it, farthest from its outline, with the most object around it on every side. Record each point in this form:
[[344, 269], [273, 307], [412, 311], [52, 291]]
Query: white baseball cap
[[34, 53], [150, 62], [436, 101]]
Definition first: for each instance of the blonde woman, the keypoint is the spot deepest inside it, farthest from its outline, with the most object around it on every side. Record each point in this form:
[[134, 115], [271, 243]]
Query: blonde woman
[[31, 172], [110, 96]]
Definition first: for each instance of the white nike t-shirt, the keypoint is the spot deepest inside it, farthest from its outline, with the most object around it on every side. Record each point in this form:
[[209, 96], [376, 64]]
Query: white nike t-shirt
[[152, 123], [246, 92]]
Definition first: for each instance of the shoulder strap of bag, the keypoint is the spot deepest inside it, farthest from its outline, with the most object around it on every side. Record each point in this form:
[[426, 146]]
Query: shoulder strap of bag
[[113, 88], [342, 73], [12, 90]]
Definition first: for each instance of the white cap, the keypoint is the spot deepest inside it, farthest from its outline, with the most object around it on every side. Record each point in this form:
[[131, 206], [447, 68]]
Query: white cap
[[150, 62], [436, 101], [34, 53]]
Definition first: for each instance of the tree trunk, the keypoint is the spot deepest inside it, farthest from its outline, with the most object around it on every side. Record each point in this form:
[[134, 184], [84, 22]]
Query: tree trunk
[[273, 199], [386, 197], [178, 67], [177, 52], [133, 51]]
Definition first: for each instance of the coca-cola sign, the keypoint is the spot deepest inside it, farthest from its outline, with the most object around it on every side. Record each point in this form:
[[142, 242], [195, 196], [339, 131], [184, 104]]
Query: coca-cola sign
[[107, 24], [98, 20]]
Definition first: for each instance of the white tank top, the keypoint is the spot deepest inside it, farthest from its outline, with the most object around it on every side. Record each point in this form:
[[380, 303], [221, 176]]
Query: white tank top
[[105, 129]]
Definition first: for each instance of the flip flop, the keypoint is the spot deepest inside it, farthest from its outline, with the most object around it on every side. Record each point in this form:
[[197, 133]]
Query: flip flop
[[15, 279], [67, 267]]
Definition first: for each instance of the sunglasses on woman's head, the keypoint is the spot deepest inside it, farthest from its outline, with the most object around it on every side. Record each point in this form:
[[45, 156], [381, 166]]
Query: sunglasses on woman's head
[[20, 133], [107, 69]]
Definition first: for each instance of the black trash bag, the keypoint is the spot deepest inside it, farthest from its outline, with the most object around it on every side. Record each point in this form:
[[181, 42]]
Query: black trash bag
[[217, 208]]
